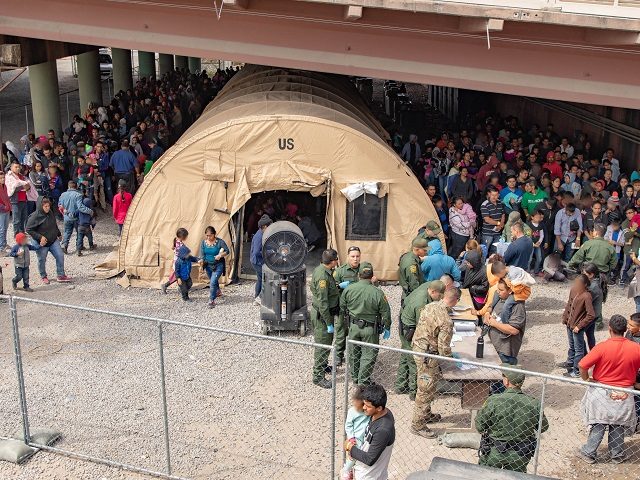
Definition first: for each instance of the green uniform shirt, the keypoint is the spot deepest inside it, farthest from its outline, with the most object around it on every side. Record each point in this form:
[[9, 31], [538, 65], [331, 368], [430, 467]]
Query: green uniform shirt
[[631, 238], [598, 251], [531, 202], [347, 273], [413, 305], [510, 416], [366, 302], [325, 293], [409, 273]]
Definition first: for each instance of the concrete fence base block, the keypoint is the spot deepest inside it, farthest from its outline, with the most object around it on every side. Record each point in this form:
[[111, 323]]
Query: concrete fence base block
[[16, 451]]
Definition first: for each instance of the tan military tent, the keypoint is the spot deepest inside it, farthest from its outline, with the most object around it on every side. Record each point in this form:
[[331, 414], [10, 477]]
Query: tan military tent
[[274, 129]]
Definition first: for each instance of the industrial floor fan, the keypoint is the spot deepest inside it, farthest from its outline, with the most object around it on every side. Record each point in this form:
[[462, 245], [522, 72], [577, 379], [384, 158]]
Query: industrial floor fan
[[284, 291]]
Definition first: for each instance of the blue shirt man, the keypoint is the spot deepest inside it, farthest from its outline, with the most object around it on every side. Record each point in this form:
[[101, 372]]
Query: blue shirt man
[[255, 255], [123, 161]]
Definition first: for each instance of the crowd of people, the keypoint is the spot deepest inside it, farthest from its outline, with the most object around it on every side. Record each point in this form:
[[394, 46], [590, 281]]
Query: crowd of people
[[515, 207], [97, 162]]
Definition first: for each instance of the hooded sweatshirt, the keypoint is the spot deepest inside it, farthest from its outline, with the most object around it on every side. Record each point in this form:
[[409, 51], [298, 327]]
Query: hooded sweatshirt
[[436, 263], [41, 224], [183, 262]]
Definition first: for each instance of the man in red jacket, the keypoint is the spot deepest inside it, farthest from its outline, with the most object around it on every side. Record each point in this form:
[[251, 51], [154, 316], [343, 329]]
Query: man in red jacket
[[553, 165]]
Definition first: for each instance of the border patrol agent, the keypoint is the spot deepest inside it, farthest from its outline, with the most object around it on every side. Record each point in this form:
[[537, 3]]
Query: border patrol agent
[[409, 272], [430, 231], [508, 423], [409, 315], [433, 335], [324, 307], [345, 275], [369, 313]]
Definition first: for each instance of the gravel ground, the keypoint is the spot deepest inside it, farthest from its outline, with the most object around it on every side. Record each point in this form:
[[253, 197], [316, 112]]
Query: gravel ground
[[239, 407]]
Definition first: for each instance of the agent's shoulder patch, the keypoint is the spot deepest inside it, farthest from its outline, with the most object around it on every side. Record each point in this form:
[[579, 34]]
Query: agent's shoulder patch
[[322, 284], [414, 269]]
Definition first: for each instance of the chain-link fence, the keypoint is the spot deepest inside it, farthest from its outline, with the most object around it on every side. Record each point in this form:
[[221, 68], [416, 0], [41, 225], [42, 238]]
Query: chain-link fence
[[165, 398], [548, 426]]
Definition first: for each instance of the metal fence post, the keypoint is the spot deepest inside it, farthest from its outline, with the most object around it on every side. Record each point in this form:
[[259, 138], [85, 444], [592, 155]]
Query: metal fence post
[[26, 116], [163, 389], [346, 391], [20, 372], [541, 416], [333, 411]]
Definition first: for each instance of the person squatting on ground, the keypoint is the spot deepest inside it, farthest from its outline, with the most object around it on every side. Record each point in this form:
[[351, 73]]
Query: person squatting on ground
[[368, 312], [432, 336], [406, 377], [508, 422], [354, 427], [212, 252], [372, 459], [324, 308], [345, 275], [255, 255], [615, 362], [21, 261]]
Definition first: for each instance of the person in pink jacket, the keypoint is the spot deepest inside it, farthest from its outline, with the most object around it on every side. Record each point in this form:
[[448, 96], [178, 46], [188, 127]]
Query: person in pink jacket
[[121, 203], [462, 221]]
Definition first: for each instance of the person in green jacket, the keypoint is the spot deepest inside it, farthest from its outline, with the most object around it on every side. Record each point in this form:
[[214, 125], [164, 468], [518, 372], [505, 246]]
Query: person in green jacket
[[597, 251], [406, 380], [367, 309], [409, 273], [508, 423], [345, 275], [324, 307]]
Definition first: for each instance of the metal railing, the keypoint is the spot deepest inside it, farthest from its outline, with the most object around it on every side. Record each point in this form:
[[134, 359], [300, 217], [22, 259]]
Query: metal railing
[[169, 443], [282, 436]]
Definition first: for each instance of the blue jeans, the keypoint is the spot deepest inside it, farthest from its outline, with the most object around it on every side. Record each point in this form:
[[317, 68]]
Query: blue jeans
[[69, 227], [442, 184], [22, 273], [258, 269], [215, 272], [567, 253], [590, 332], [56, 251], [626, 266], [537, 257], [84, 231], [19, 212], [488, 241], [108, 190], [577, 348], [4, 226], [637, 300]]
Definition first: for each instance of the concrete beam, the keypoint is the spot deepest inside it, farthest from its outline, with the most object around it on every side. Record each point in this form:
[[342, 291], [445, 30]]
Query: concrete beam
[[34, 50], [607, 37], [352, 12], [480, 25]]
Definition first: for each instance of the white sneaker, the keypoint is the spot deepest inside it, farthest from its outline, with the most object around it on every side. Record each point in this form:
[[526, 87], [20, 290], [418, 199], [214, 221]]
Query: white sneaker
[[257, 301]]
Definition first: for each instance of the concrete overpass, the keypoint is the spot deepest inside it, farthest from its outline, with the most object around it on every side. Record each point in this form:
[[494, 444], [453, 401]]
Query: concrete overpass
[[582, 51]]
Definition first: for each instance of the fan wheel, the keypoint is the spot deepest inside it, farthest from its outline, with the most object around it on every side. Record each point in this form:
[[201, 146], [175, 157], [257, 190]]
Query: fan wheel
[[303, 329]]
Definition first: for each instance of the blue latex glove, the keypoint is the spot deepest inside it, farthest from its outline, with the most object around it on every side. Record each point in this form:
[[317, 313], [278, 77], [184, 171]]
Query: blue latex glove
[[344, 284], [329, 328], [386, 334]]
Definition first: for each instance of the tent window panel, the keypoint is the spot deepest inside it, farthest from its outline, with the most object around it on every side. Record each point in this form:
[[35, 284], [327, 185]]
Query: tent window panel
[[367, 218], [143, 251], [218, 165]]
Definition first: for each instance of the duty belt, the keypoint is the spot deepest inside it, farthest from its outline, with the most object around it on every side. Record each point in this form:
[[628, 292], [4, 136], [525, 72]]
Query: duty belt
[[361, 322]]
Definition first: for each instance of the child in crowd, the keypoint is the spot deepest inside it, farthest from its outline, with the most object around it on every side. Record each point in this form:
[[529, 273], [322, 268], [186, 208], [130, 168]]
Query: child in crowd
[[631, 242], [354, 427], [615, 236], [537, 236], [55, 187], [519, 283], [21, 261], [182, 268], [438, 204], [178, 242], [86, 224], [121, 203]]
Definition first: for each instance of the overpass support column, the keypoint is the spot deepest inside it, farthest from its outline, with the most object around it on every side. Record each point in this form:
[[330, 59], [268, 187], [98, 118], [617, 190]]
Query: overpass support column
[[89, 79], [182, 62], [147, 64], [122, 76], [195, 66], [43, 83], [165, 62]]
